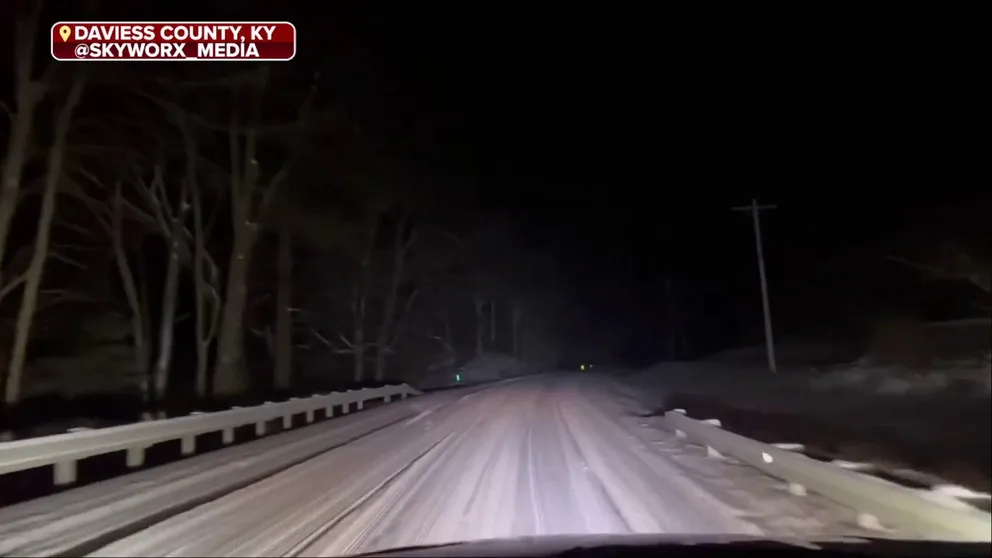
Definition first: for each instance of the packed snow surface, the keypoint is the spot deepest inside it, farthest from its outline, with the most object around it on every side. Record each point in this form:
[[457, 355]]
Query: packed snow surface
[[554, 454]]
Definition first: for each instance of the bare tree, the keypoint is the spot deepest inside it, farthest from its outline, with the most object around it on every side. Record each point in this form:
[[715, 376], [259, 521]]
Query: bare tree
[[402, 244], [492, 322], [175, 221], [170, 223], [357, 345], [284, 308], [36, 270], [136, 302], [480, 322], [126, 226], [191, 245], [28, 92], [205, 272], [490, 271], [445, 339], [518, 314], [155, 214], [250, 195]]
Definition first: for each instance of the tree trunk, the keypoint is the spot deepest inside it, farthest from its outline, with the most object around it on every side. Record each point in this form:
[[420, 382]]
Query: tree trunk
[[145, 302], [480, 325], [389, 308], [449, 339], [359, 302], [284, 318], [517, 315], [12, 169], [492, 323], [229, 377], [204, 332], [27, 94], [205, 292], [358, 344], [168, 320], [36, 269], [134, 300]]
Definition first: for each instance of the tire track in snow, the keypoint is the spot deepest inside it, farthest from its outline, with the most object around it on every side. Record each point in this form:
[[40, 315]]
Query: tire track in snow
[[545, 456]]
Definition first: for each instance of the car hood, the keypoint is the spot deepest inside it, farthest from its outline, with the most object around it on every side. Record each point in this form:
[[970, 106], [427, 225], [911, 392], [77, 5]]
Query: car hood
[[552, 545]]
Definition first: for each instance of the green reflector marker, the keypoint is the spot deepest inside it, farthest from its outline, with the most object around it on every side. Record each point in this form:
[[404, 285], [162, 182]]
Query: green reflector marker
[[458, 377]]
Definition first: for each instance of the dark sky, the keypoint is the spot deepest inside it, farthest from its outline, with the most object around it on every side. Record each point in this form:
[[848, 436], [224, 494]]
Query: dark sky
[[632, 141], [627, 138]]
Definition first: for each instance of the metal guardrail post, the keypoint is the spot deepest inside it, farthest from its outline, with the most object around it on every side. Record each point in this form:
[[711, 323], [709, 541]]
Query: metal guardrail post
[[63, 451]]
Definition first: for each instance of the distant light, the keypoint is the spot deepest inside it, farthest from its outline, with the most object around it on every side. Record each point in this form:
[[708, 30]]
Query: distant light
[[582, 367], [458, 377]]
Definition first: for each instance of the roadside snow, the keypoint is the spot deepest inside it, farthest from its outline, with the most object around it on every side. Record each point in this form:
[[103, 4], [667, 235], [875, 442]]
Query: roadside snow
[[963, 376], [546, 455]]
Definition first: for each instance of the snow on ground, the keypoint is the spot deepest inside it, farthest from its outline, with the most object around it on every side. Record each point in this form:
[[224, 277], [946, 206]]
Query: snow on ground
[[934, 419], [966, 377], [756, 385], [544, 455], [57, 524], [951, 358], [762, 499], [958, 365]]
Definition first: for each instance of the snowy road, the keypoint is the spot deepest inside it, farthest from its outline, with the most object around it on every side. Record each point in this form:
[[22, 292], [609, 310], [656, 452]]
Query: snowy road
[[543, 455], [532, 457]]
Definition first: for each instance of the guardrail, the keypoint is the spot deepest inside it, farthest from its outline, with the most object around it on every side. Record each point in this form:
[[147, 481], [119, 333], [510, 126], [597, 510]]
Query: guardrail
[[874, 500], [65, 450]]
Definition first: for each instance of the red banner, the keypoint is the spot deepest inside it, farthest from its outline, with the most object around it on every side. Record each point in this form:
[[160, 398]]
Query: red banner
[[93, 41]]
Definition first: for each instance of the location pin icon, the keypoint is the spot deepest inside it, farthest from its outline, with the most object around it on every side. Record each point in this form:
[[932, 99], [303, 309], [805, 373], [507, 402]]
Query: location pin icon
[[64, 32]]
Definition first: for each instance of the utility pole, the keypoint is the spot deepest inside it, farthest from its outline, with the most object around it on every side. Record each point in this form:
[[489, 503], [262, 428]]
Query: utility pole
[[756, 210]]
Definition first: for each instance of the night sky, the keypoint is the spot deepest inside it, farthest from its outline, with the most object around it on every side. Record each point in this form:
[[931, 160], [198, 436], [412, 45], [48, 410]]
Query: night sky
[[629, 143], [626, 139]]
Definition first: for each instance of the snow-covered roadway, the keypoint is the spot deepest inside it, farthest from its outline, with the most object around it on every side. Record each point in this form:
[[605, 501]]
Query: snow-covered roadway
[[547, 455]]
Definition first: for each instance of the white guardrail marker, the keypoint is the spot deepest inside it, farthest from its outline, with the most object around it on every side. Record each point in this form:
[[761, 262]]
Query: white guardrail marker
[[889, 503], [65, 450]]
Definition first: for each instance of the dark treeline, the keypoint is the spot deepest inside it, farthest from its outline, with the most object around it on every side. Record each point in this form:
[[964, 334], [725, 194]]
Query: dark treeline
[[189, 236]]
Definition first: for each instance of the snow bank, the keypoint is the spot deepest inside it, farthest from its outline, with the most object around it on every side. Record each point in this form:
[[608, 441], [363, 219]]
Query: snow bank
[[972, 377], [486, 368], [958, 378]]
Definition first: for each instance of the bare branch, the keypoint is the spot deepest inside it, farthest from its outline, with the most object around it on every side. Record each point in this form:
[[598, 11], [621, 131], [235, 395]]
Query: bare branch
[[252, 127], [6, 110], [60, 296], [321, 338], [978, 277], [408, 245], [266, 336], [917, 265], [149, 192], [9, 286], [134, 212], [444, 342], [78, 229], [65, 259]]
